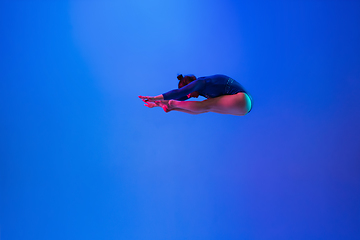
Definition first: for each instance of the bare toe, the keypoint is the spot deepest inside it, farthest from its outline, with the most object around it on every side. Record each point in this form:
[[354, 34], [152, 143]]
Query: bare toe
[[150, 105]]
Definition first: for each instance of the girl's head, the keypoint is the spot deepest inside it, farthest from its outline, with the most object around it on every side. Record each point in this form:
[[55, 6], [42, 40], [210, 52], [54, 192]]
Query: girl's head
[[183, 81]]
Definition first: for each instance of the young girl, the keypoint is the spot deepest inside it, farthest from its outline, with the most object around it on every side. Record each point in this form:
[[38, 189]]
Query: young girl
[[224, 95]]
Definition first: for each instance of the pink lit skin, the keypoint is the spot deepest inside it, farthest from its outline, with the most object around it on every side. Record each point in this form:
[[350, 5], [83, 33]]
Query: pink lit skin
[[238, 104], [158, 101]]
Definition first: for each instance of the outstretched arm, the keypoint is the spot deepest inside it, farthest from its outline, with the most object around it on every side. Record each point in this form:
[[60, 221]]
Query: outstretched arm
[[177, 94], [181, 94], [159, 98]]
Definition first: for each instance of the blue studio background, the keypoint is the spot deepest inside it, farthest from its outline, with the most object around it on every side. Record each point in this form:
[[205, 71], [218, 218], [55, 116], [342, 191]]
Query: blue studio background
[[82, 158]]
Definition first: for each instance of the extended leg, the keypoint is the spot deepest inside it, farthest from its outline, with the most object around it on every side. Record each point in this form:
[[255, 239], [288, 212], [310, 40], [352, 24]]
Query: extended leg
[[193, 106], [167, 108], [237, 104], [184, 111]]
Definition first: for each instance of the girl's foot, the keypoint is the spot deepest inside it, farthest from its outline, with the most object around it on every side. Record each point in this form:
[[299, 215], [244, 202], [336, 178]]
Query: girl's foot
[[151, 104], [164, 104]]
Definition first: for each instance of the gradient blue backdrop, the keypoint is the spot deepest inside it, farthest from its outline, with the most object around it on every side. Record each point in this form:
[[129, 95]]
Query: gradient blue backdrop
[[82, 158]]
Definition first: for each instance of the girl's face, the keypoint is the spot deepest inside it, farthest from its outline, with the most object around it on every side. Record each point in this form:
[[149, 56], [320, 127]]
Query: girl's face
[[193, 94]]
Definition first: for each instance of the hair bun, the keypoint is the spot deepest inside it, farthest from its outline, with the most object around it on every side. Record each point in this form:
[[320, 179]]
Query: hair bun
[[180, 77]]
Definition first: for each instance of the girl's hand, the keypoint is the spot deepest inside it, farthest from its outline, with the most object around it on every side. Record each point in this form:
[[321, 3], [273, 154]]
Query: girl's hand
[[151, 99], [147, 98]]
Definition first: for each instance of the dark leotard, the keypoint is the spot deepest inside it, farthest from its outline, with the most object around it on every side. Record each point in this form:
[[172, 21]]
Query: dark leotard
[[208, 87]]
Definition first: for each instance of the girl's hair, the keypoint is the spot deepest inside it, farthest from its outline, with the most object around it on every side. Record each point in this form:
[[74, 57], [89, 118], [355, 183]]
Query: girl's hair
[[183, 81]]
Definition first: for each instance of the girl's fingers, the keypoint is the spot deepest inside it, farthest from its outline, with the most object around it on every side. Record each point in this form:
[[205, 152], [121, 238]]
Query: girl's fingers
[[145, 98]]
